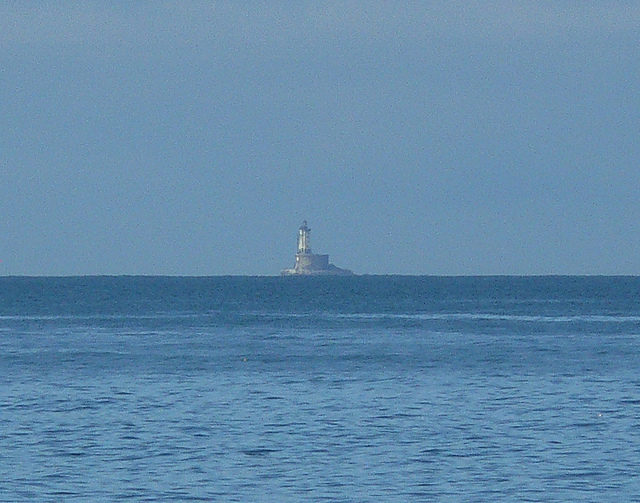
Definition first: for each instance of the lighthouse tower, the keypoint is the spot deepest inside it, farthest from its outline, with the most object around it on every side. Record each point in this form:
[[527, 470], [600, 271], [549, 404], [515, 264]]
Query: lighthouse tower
[[304, 239]]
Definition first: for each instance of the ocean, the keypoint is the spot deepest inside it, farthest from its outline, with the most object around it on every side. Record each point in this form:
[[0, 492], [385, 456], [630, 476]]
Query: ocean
[[341, 389]]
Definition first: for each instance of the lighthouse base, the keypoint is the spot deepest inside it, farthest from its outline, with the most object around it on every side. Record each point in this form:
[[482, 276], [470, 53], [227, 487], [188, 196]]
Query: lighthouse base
[[309, 264]]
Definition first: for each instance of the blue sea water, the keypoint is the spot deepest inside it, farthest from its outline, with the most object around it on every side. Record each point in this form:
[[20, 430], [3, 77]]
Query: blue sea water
[[350, 389]]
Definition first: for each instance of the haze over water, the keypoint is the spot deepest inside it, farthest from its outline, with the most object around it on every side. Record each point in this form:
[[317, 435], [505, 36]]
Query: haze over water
[[320, 389], [446, 137]]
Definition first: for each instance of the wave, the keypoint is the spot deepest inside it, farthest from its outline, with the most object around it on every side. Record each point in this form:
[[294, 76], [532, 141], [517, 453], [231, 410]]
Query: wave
[[106, 317], [329, 316], [496, 317]]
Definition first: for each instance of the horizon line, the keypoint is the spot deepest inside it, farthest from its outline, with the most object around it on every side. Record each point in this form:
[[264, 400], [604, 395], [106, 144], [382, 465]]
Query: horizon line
[[499, 275]]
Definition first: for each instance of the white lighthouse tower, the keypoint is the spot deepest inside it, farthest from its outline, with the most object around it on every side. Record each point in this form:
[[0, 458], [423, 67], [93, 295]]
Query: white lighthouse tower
[[304, 238]]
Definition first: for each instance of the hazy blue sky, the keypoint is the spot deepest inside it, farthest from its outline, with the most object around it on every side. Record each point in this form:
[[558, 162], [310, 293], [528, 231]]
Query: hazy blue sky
[[443, 137]]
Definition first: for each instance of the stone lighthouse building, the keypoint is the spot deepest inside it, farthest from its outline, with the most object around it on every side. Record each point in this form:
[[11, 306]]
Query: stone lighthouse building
[[309, 263]]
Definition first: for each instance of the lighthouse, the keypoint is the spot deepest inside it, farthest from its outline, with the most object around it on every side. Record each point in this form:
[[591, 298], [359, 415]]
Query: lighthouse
[[308, 263]]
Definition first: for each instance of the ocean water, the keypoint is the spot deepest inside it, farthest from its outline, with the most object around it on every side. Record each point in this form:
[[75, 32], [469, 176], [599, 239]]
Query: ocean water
[[351, 389]]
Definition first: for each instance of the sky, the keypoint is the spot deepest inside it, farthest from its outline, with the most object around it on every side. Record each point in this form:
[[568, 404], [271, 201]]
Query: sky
[[428, 137]]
